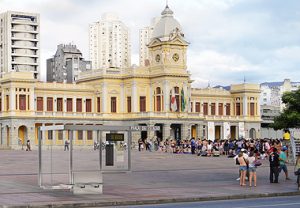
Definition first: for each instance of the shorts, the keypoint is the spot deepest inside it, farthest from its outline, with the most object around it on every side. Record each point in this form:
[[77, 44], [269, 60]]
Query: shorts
[[283, 167], [243, 168], [252, 169]]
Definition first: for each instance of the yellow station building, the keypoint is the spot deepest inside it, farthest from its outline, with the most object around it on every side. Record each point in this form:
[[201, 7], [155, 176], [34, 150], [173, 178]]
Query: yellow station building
[[130, 97]]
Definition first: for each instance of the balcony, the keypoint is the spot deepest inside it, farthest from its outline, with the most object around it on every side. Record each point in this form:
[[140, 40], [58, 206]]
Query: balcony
[[24, 31], [25, 47], [24, 22], [25, 39]]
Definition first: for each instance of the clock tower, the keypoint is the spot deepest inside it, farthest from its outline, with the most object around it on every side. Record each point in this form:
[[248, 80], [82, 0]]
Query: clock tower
[[168, 46]]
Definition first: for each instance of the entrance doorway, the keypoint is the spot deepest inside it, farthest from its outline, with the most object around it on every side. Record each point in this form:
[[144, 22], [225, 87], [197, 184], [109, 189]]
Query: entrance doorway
[[252, 133], [233, 132], [22, 134], [217, 133], [176, 131], [159, 133], [144, 134]]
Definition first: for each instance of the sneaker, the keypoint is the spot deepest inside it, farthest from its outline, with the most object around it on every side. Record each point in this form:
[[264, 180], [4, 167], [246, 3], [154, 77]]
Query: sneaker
[[238, 179]]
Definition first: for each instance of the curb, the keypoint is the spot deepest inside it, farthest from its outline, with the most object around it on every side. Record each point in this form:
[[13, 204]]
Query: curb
[[151, 201]]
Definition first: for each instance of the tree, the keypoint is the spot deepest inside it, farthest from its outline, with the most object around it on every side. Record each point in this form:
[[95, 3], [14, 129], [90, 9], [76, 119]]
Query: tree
[[290, 117]]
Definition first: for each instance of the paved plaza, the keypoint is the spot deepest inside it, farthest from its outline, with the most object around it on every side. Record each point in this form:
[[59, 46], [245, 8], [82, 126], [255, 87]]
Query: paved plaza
[[156, 177]]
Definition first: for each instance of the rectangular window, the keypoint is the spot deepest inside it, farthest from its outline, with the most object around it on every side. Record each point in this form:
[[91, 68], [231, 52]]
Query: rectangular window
[[0, 104], [22, 102], [128, 104], [39, 104], [158, 103], [88, 105], [78, 105], [60, 134], [113, 104], [197, 107], [251, 109], [49, 104], [221, 109], [238, 109], [7, 102], [227, 109], [205, 108], [59, 104], [98, 105], [69, 105], [50, 134], [89, 135], [213, 109], [142, 104], [80, 135]]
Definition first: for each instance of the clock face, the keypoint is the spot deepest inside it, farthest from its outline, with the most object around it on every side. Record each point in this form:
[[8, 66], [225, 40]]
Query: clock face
[[157, 58], [175, 57]]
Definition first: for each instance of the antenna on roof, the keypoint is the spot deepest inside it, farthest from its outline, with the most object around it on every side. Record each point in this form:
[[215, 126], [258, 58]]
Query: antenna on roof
[[244, 79]]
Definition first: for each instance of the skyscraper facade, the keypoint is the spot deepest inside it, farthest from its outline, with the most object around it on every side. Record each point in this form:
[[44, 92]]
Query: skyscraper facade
[[20, 42], [66, 64], [109, 45], [145, 37]]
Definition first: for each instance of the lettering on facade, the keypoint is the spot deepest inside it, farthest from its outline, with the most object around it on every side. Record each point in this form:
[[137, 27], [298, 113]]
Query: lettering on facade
[[145, 128]]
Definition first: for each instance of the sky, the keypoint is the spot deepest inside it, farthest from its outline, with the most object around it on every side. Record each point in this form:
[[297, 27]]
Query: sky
[[230, 40]]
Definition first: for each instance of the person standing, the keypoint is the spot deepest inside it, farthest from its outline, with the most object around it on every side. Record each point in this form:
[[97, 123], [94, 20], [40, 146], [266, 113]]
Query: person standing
[[193, 145], [282, 162], [67, 145], [274, 166], [297, 169], [243, 168], [252, 169]]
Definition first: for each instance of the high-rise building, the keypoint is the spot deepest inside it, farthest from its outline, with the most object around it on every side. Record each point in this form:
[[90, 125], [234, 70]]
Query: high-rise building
[[109, 44], [66, 64], [20, 42], [145, 37]]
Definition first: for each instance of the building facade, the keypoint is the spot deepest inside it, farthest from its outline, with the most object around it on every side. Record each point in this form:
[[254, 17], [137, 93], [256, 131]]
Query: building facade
[[66, 64], [109, 43], [145, 38], [156, 95], [20, 43]]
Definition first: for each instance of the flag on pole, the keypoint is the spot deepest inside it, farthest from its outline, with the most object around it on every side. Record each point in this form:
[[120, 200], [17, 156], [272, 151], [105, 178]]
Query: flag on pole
[[183, 102], [173, 101]]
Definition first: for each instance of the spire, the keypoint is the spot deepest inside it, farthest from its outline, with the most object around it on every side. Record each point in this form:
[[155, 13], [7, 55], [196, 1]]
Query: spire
[[167, 11]]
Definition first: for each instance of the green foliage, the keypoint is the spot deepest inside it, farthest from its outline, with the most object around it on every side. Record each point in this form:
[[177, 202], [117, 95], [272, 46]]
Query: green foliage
[[290, 117]]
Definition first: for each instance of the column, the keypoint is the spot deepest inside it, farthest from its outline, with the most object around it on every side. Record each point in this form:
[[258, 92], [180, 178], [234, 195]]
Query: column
[[104, 98], [45, 103], [166, 131], [64, 104], [245, 105], [185, 131], [83, 104], [122, 97], [4, 135], [194, 105], [199, 130], [134, 97], [217, 109], [12, 99], [166, 96], [74, 104], [150, 131], [32, 104], [151, 99]]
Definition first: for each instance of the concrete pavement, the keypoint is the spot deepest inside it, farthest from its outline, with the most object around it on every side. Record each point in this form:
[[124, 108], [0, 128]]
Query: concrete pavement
[[155, 178]]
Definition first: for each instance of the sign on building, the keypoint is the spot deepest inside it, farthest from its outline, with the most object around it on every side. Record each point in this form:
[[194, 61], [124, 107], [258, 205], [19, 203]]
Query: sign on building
[[145, 128]]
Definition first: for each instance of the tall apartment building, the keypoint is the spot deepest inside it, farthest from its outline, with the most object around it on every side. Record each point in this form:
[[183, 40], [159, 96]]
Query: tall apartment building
[[145, 37], [20, 42], [66, 64], [109, 44]]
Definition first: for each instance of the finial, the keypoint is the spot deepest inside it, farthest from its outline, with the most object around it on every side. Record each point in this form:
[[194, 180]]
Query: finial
[[244, 79]]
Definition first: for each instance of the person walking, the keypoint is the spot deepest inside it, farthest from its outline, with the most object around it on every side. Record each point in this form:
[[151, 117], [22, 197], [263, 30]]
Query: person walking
[[252, 169], [297, 170], [283, 161], [274, 166], [28, 146]]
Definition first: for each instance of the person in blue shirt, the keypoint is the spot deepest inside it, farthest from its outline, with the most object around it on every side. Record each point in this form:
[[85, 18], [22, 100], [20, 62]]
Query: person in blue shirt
[[283, 161]]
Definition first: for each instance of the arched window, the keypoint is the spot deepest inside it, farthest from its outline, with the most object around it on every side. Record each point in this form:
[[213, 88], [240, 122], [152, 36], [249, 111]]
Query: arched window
[[158, 97]]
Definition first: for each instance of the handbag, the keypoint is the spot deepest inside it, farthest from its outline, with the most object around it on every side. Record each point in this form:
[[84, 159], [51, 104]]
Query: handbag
[[297, 172], [257, 163]]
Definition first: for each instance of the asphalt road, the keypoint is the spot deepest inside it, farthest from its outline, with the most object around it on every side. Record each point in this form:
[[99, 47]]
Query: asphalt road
[[278, 202]]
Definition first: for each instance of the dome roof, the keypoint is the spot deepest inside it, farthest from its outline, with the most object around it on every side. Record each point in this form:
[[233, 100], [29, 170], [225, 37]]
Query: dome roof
[[166, 24]]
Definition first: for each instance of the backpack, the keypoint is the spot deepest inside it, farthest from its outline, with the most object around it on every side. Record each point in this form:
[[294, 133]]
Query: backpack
[[237, 161]]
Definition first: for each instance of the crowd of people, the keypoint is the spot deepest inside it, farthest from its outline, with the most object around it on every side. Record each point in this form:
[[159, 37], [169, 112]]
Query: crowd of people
[[247, 154]]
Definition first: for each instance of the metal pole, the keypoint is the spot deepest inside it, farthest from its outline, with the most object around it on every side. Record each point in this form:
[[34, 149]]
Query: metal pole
[[129, 150], [99, 139], [40, 156], [71, 156]]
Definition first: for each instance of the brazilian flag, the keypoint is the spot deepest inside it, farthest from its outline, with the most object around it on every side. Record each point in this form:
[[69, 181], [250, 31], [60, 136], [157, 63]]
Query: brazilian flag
[[183, 102]]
